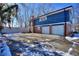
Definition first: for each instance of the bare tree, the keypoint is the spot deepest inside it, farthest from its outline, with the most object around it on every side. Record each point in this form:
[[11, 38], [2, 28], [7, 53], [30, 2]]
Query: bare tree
[[77, 17]]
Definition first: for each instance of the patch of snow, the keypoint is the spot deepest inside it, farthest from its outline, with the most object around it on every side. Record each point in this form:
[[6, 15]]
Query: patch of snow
[[71, 38]]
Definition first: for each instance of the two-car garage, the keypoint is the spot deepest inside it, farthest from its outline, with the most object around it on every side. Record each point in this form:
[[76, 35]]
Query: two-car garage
[[57, 30], [57, 22]]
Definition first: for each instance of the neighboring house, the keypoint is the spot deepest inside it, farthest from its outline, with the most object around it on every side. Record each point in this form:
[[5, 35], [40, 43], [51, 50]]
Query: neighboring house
[[57, 22]]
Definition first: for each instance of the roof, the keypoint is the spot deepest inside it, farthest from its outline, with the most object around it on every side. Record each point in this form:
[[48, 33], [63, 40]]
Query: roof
[[56, 11]]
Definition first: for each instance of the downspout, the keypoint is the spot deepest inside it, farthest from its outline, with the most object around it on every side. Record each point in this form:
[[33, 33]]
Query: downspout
[[65, 30]]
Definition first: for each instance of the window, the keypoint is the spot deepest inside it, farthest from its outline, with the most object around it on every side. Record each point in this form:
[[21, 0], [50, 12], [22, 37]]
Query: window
[[43, 18]]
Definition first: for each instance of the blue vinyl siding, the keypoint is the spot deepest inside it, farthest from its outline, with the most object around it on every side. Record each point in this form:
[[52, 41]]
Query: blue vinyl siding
[[54, 18]]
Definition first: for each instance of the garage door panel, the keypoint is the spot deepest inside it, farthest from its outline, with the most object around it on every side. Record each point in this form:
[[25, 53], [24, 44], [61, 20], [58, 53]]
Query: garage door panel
[[58, 30], [45, 30]]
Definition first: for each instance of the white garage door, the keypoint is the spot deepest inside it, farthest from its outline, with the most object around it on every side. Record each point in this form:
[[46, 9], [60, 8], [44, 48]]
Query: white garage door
[[58, 30], [45, 30]]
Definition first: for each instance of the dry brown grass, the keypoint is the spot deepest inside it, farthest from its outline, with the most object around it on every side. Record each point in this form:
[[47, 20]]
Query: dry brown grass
[[57, 42]]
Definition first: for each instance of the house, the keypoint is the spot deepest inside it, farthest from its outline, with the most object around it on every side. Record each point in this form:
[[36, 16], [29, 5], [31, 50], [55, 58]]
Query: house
[[57, 22]]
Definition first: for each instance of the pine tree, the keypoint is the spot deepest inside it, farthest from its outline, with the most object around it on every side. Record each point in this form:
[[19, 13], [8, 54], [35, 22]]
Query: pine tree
[[7, 11]]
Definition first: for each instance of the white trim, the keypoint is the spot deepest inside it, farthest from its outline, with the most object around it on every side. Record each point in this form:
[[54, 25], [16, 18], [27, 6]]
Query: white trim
[[59, 11], [54, 12], [52, 24]]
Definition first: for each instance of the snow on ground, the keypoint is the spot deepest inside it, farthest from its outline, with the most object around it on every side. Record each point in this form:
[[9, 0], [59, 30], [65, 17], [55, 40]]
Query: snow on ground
[[53, 42]]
